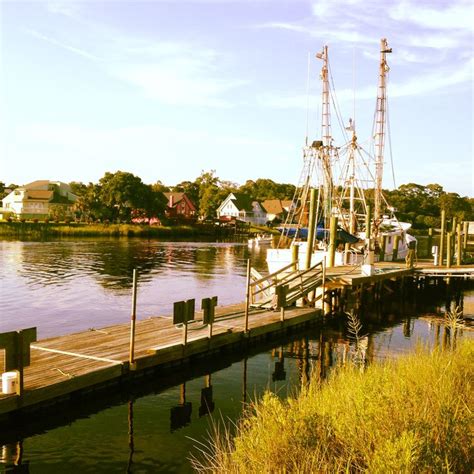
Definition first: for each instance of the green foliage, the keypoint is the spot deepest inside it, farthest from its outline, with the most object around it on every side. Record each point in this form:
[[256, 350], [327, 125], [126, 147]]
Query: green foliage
[[409, 415], [212, 191], [263, 189], [6, 190], [422, 205], [59, 212]]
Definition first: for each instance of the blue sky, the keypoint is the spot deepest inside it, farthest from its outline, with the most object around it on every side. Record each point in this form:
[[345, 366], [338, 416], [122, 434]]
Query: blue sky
[[166, 89]]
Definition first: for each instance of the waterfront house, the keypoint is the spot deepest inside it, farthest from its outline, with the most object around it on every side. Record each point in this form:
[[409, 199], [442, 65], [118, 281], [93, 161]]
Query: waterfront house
[[34, 200], [240, 206], [180, 206], [276, 209]]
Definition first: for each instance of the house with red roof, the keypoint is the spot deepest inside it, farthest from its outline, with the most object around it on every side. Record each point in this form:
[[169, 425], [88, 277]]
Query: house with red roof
[[180, 206]]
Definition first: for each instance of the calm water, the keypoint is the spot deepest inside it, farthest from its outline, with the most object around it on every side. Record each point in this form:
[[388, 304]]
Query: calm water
[[68, 286]]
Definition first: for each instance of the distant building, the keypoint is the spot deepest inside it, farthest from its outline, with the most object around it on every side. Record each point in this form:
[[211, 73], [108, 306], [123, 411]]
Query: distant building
[[180, 206], [33, 200], [240, 206], [276, 208]]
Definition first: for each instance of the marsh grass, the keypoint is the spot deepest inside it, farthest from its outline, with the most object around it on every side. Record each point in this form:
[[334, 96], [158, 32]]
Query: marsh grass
[[409, 415], [455, 322], [41, 230]]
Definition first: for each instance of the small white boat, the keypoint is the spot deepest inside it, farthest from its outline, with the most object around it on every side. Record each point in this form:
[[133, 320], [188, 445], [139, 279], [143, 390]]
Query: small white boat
[[260, 239]]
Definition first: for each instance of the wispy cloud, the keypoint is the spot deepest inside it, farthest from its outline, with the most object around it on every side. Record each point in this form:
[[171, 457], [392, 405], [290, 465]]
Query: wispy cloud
[[172, 72], [69, 8], [73, 49], [455, 15]]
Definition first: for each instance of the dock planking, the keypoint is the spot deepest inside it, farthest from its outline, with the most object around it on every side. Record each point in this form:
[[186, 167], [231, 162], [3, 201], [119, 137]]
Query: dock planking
[[65, 365]]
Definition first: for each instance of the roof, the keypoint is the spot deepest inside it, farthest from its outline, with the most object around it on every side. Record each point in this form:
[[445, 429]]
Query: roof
[[177, 197], [273, 206], [242, 202], [36, 184], [39, 194]]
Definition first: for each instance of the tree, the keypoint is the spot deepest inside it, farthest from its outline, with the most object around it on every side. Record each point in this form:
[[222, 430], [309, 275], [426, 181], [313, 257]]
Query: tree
[[263, 189], [212, 191], [121, 192], [159, 187], [455, 205]]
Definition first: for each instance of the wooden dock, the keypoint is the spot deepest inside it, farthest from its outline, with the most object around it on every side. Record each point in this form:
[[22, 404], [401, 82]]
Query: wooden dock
[[66, 366]]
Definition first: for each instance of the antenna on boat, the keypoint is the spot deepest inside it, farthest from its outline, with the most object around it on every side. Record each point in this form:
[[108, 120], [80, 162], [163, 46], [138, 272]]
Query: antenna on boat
[[380, 121]]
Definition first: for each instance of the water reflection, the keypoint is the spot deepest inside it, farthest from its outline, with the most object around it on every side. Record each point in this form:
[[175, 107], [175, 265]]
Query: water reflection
[[69, 286]]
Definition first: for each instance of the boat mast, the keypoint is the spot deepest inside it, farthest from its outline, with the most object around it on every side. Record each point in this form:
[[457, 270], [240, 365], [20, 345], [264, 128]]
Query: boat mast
[[325, 150], [380, 120]]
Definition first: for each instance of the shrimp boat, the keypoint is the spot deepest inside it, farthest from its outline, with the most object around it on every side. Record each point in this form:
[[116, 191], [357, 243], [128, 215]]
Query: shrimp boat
[[340, 186]]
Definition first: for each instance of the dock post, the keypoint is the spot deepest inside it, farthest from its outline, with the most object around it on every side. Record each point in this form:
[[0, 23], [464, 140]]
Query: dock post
[[311, 228], [396, 240], [294, 256], [332, 240], [247, 297], [430, 242], [133, 318], [448, 249], [441, 238], [323, 288], [454, 225], [382, 248], [465, 232], [458, 245], [367, 224]]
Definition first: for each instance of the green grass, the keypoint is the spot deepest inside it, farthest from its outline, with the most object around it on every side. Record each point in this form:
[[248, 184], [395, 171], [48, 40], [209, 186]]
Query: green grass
[[41, 230], [409, 415]]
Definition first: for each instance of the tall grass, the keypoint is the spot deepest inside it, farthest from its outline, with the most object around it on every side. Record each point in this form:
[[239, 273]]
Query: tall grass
[[42, 230], [409, 415]]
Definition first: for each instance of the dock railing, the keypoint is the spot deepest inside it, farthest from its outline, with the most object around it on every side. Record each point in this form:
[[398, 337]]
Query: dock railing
[[299, 283]]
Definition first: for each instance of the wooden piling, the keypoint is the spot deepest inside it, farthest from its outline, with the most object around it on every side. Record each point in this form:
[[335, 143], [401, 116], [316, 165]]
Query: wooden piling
[[311, 228], [465, 234], [367, 223], [458, 245], [430, 242], [247, 297], [396, 241], [332, 240], [382, 248], [133, 318], [441, 238], [294, 256], [448, 249]]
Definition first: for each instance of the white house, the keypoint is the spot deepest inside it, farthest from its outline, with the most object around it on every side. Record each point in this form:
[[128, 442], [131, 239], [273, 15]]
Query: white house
[[240, 206], [33, 200]]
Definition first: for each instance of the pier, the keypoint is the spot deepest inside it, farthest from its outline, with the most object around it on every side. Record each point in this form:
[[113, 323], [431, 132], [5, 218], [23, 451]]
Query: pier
[[60, 368]]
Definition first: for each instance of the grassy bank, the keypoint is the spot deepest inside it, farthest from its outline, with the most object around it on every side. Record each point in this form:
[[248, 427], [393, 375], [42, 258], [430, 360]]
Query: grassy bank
[[410, 415], [45, 230]]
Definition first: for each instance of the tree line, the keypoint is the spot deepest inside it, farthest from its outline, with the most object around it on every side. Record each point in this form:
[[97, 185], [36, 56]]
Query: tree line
[[121, 196]]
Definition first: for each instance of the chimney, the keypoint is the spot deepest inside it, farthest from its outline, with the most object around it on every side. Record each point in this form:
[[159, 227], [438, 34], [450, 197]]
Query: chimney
[[171, 201]]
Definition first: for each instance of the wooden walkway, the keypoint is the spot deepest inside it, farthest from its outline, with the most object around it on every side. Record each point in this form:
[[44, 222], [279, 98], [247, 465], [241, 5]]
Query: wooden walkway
[[62, 366]]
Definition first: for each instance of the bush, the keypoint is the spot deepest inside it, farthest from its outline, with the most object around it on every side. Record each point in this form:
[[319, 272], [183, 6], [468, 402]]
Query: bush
[[412, 415]]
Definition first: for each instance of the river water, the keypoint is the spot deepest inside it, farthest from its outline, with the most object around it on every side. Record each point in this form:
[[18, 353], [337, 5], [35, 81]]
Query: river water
[[73, 285]]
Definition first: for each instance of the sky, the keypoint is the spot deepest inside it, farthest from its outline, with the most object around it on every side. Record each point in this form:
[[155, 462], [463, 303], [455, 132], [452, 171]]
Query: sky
[[168, 89]]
